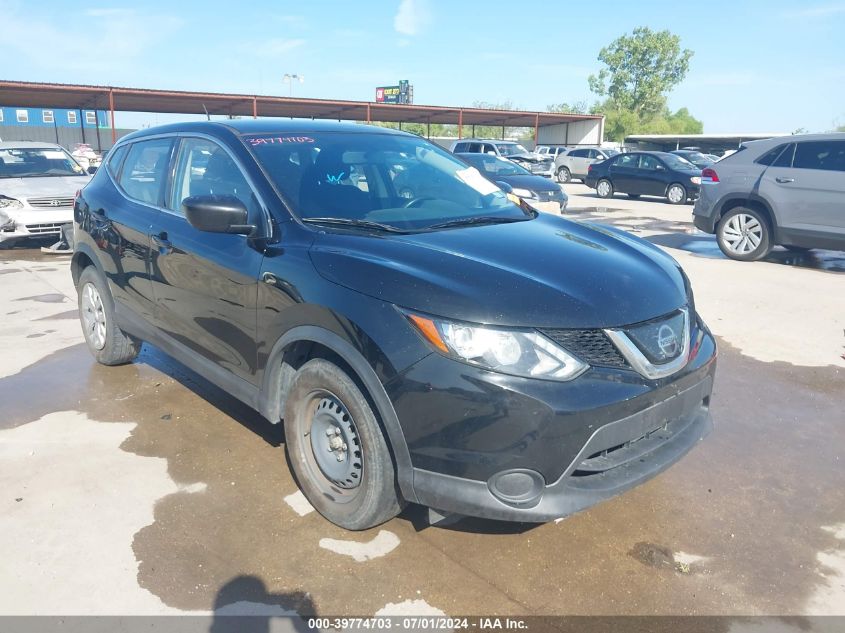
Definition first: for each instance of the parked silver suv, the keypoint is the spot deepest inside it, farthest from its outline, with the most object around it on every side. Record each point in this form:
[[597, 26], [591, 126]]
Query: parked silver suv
[[576, 162], [781, 191]]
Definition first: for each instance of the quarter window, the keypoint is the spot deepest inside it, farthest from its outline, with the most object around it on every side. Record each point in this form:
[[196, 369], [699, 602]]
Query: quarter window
[[71, 117], [22, 116], [205, 168], [771, 156], [47, 116], [144, 170], [115, 158], [825, 155], [785, 158], [461, 147]]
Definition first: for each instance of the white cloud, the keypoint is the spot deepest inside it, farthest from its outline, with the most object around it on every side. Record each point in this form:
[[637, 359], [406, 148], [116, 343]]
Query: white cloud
[[412, 17], [818, 11]]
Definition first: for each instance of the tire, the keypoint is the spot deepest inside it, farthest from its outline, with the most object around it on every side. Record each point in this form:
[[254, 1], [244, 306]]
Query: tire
[[354, 488], [604, 188], [676, 193], [107, 342], [564, 175], [634, 196], [739, 229]]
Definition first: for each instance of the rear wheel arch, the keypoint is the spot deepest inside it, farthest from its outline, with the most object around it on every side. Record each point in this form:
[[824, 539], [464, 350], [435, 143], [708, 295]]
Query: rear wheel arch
[[81, 260], [758, 205], [306, 342]]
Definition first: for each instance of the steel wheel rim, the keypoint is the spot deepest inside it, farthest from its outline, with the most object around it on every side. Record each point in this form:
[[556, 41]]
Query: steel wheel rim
[[332, 450], [676, 193], [93, 316], [604, 188], [742, 234]]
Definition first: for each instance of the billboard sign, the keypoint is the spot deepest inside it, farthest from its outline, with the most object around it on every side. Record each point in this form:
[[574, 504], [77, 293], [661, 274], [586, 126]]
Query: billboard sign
[[402, 93]]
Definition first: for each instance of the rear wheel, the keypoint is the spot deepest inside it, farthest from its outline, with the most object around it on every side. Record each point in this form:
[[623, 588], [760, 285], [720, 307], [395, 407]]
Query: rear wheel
[[604, 188], [564, 175], [743, 234], [107, 342], [676, 194], [337, 449]]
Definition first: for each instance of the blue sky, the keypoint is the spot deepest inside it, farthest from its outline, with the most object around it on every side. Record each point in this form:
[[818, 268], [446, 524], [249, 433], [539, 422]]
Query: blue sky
[[759, 66]]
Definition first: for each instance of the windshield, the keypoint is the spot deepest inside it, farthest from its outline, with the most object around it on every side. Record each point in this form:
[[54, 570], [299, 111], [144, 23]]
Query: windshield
[[493, 166], [399, 181], [509, 149], [673, 161], [611, 152], [32, 162]]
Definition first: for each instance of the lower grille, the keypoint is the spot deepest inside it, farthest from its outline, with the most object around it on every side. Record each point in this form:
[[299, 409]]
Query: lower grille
[[591, 346], [547, 196], [45, 229], [50, 203]]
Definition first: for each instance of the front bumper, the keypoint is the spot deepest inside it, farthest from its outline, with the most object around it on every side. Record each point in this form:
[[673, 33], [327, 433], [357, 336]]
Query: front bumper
[[26, 223], [488, 445]]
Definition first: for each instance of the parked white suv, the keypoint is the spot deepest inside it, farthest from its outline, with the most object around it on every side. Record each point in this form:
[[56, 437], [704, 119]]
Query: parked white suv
[[38, 182], [576, 162]]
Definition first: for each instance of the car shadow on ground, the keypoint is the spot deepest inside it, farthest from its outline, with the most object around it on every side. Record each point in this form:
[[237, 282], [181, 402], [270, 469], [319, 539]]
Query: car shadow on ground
[[243, 605]]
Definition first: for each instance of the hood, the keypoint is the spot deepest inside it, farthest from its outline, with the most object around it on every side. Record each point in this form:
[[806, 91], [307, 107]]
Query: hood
[[50, 186], [546, 272], [532, 183]]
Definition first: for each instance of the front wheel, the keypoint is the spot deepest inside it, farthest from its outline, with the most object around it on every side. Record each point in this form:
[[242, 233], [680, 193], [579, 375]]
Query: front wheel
[[337, 449], [743, 234], [676, 194], [564, 175], [604, 188], [107, 342]]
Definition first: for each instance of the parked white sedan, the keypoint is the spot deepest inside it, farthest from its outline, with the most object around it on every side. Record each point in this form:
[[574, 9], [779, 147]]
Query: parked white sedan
[[38, 182]]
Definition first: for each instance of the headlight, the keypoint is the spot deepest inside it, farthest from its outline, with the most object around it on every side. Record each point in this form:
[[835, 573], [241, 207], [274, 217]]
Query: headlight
[[696, 180], [10, 203], [523, 193], [516, 352]]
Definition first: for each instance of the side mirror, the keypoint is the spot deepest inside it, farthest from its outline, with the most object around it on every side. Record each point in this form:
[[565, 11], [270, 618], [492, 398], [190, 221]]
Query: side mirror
[[217, 214], [501, 184], [491, 152], [660, 168]]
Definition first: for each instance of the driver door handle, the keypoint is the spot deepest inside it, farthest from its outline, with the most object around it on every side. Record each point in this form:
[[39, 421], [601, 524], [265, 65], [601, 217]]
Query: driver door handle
[[783, 180]]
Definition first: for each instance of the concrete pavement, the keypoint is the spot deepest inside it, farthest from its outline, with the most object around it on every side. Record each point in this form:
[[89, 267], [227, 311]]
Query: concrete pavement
[[143, 489]]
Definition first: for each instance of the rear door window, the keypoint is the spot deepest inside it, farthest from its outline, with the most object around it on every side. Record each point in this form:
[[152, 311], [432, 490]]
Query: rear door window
[[824, 155], [144, 171], [627, 160]]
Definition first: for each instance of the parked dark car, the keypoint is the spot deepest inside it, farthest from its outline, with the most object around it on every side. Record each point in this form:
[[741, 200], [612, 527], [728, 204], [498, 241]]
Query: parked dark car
[[702, 161], [646, 174], [537, 191], [452, 348]]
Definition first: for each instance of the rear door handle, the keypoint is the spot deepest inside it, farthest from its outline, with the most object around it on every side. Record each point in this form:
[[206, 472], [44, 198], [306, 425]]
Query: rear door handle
[[162, 242], [783, 180]]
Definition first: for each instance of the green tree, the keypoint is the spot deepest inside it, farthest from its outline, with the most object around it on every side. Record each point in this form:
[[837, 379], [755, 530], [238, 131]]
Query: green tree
[[620, 123], [578, 107], [641, 69]]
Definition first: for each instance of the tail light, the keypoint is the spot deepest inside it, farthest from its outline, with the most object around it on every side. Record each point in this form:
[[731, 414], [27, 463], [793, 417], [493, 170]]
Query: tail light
[[709, 175], [589, 168]]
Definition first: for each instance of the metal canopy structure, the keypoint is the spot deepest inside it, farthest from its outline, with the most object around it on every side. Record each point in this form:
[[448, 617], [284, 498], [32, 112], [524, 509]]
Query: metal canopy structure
[[114, 98]]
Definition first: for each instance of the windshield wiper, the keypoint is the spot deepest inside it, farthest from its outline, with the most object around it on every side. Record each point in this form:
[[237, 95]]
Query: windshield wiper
[[364, 224], [478, 219]]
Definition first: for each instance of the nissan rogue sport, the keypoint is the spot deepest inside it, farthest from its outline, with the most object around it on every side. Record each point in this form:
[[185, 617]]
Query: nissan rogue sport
[[448, 346]]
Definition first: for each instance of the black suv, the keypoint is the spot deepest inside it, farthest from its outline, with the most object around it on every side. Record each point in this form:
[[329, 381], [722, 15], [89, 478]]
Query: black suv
[[444, 345]]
